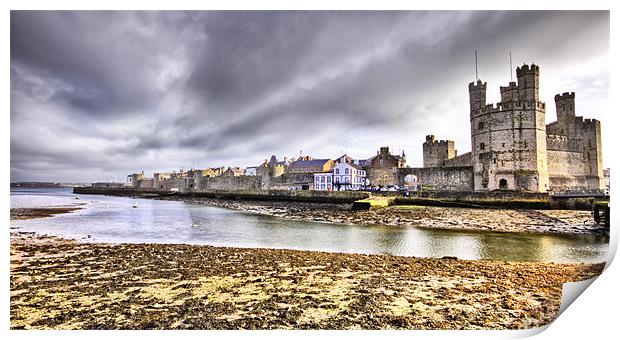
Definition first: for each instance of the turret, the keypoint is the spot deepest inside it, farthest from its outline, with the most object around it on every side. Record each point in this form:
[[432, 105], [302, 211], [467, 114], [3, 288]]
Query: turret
[[509, 93], [565, 105], [436, 152], [477, 96], [527, 79]]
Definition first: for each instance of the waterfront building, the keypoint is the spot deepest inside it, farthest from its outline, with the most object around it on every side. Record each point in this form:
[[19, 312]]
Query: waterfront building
[[310, 166], [348, 176], [323, 181]]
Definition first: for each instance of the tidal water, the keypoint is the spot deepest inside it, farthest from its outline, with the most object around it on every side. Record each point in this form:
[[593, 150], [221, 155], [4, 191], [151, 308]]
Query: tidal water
[[114, 220]]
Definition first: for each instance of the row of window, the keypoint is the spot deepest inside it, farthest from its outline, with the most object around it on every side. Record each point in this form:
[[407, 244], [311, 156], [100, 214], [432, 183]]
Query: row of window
[[324, 179], [330, 187], [355, 172]]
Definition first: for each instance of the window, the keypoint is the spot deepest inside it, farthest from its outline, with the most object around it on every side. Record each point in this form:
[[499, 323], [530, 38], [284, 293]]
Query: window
[[337, 171], [503, 184], [480, 125], [346, 171], [482, 146], [503, 145]]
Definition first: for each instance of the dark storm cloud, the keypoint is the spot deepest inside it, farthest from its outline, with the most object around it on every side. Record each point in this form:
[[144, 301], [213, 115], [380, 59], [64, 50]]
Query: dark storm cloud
[[96, 95]]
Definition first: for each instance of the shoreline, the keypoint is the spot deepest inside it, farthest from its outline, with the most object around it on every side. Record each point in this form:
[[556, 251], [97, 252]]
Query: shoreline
[[30, 213], [60, 283], [563, 222]]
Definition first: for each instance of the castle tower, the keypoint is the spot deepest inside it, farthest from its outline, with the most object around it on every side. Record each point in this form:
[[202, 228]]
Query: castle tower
[[527, 83], [436, 152], [477, 95], [565, 106], [509, 140], [509, 93]]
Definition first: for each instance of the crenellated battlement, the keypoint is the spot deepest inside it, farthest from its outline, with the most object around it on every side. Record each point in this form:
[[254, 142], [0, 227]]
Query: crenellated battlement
[[590, 121], [478, 85], [565, 143], [511, 86], [563, 138], [527, 70], [564, 96], [430, 139], [508, 106]]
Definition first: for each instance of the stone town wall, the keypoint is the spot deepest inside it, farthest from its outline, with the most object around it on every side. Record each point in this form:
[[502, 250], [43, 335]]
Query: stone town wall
[[170, 184], [230, 183], [296, 181], [441, 178], [146, 183], [286, 195]]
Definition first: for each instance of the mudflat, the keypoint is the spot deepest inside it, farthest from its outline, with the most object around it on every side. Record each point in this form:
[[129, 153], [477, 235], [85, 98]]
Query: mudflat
[[29, 213], [65, 284], [488, 219]]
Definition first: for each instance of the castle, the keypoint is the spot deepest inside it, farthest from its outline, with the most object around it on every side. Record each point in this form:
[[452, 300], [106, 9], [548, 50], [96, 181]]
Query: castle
[[513, 149]]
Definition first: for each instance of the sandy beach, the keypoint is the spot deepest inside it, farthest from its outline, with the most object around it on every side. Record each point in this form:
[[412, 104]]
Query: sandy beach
[[64, 284]]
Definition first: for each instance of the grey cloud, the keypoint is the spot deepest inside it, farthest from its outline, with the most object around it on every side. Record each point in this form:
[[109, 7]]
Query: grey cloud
[[160, 90]]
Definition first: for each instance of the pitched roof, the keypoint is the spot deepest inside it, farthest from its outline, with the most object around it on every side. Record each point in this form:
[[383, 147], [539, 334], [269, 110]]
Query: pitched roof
[[352, 165], [313, 162], [236, 170], [346, 158]]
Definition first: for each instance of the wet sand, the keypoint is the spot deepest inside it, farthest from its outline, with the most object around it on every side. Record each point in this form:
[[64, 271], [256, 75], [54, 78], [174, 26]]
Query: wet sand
[[497, 220], [64, 284]]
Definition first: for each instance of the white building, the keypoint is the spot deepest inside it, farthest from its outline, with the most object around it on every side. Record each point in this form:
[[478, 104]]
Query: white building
[[348, 177], [323, 181], [344, 176]]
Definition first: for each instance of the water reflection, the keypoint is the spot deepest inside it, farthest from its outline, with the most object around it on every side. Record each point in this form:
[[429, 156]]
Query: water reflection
[[112, 219]]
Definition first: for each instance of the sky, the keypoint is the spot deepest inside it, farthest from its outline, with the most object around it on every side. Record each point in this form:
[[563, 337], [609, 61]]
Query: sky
[[99, 95]]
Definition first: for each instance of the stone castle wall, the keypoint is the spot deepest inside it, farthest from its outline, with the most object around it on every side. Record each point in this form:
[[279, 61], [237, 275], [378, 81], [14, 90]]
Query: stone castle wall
[[575, 161], [461, 160], [441, 178]]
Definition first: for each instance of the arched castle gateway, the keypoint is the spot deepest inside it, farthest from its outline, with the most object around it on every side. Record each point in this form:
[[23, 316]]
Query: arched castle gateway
[[513, 149]]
